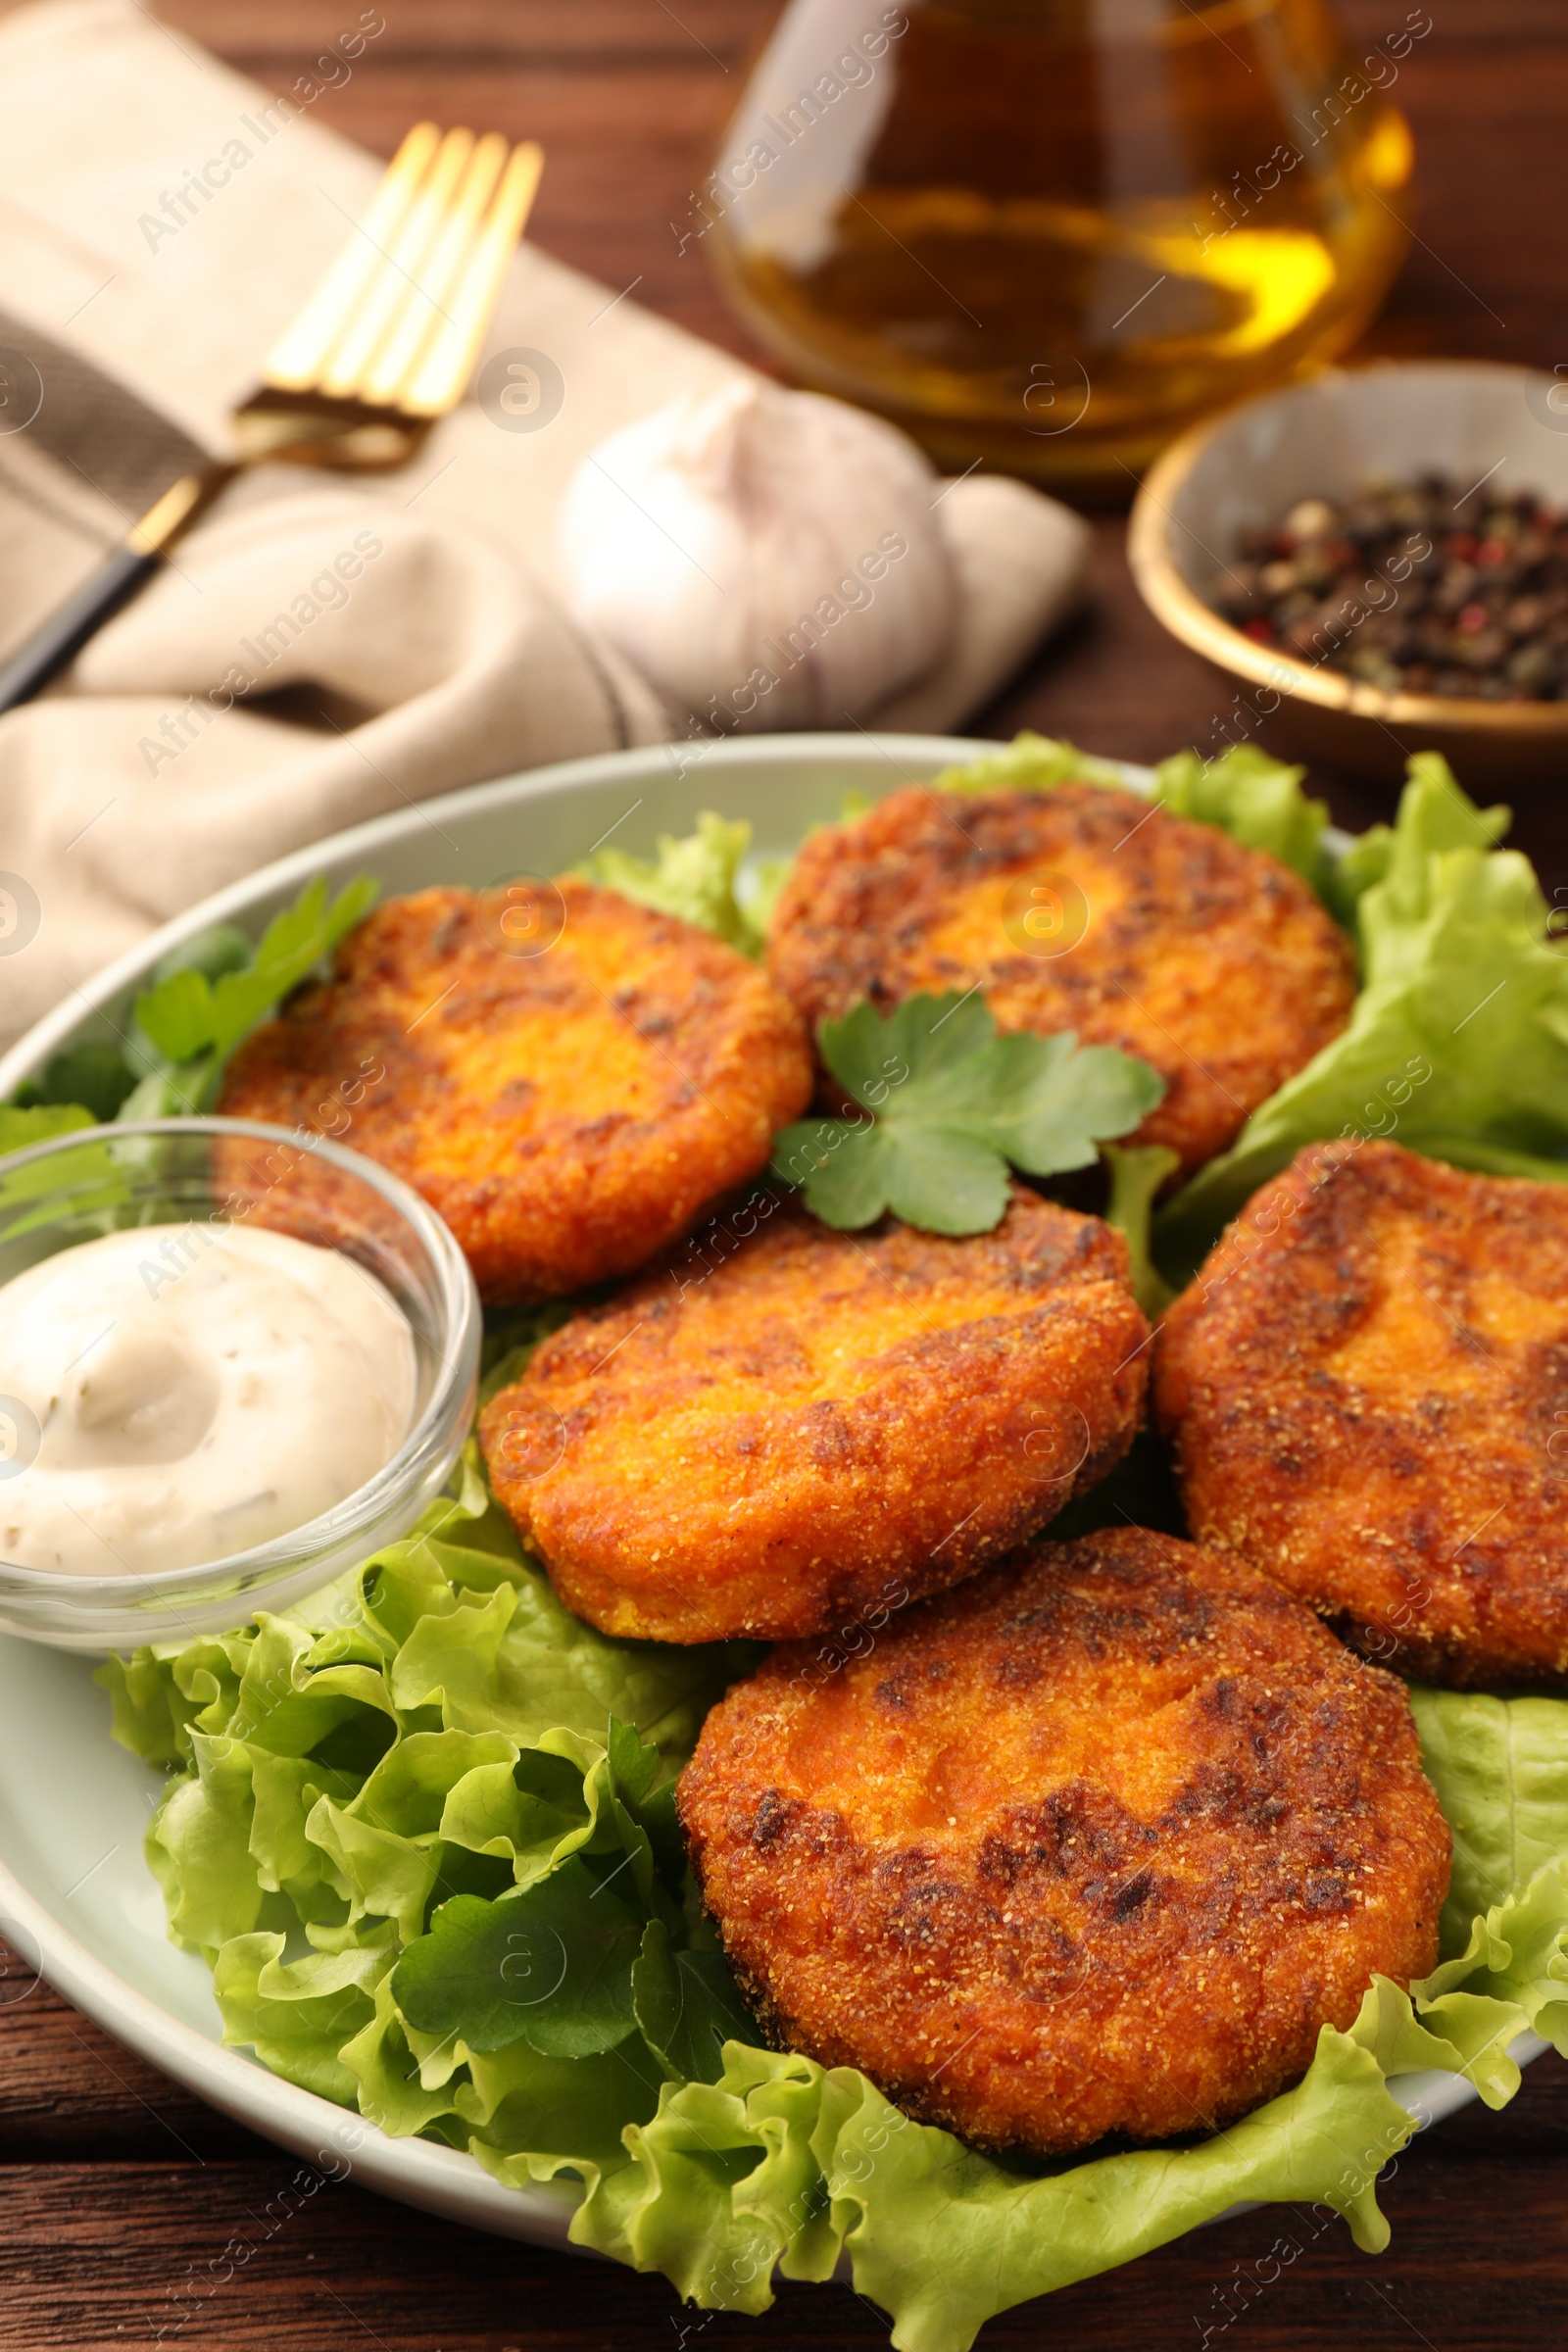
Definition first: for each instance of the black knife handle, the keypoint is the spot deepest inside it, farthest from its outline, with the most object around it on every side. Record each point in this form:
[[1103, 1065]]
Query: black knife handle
[[133, 564], [66, 632]]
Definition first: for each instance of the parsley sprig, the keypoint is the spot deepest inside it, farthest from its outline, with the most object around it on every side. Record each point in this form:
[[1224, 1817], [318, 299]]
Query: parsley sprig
[[945, 1103], [201, 1004], [579, 1960], [205, 997], [193, 1017]]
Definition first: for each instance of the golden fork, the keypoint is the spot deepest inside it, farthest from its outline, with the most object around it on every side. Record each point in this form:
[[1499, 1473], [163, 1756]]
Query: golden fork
[[382, 348]]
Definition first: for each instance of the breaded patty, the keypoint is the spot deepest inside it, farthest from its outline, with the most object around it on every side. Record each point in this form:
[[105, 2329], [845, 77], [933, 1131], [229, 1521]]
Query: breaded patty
[[825, 1424], [568, 1112], [1097, 1843], [1077, 908], [1372, 1406]]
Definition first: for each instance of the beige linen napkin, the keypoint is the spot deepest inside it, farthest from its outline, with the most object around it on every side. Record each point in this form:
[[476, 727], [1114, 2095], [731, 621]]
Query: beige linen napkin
[[321, 649]]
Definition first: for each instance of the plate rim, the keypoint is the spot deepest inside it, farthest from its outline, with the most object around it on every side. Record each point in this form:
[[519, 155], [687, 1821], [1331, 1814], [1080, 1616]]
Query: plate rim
[[297, 867], [446, 2181]]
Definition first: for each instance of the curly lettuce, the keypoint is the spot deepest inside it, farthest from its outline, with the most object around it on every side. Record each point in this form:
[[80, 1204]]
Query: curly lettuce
[[1243, 791], [421, 1828], [1256, 801], [1030, 762], [944, 2238], [697, 877], [1458, 1040]]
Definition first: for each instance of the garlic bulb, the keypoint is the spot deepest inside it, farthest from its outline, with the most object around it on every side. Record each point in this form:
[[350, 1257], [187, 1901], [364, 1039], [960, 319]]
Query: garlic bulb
[[768, 558]]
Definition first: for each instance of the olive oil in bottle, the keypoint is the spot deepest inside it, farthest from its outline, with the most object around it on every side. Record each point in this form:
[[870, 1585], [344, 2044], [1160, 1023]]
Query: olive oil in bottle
[[1052, 234]]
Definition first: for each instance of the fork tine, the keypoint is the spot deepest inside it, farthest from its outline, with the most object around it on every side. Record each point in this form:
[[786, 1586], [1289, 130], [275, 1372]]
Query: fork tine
[[398, 270], [441, 376], [297, 357], [422, 311]]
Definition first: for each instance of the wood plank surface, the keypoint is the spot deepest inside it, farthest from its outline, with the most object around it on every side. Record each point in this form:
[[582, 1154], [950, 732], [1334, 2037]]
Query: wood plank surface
[[631, 96], [131, 2213]]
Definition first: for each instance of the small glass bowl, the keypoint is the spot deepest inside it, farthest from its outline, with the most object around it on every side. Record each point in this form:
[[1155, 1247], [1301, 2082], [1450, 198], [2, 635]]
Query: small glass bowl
[[98, 1180]]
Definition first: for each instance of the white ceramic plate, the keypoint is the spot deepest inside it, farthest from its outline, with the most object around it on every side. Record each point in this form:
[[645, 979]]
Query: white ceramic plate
[[76, 1899]]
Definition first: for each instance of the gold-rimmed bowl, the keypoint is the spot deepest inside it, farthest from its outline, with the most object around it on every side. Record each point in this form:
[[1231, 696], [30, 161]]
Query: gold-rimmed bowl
[[1330, 438]]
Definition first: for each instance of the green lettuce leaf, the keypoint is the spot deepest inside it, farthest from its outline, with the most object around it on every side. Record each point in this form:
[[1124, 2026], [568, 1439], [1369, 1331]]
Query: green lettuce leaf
[[297, 2015], [1255, 799], [381, 1798], [1451, 822], [784, 2163], [1502, 1768], [696, 878], [1029, 763], [550, 1962], [1136, 1172], [354, 1840], [951, 1104], [1458, 1042]]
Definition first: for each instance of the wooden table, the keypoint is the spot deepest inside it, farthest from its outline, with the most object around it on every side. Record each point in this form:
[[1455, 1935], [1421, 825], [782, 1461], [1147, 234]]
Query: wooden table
[[122, 2193]]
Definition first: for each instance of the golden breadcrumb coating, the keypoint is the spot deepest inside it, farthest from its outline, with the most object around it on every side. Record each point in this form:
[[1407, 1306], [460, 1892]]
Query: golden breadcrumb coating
[[827, 1423], [1077, 908], [1372, 1405], [568, 1112], [1097, 1843]]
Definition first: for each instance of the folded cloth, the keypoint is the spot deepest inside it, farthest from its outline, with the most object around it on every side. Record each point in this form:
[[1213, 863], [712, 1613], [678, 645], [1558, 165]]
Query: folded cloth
[[321, 649]]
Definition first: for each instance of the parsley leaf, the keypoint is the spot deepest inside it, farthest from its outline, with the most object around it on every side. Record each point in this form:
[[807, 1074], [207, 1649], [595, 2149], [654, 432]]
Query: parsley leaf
[[94, 1077], [945, 1103], [188, 1015], [217, 989], [549, 1965], [687, 2007], [89, 1177]]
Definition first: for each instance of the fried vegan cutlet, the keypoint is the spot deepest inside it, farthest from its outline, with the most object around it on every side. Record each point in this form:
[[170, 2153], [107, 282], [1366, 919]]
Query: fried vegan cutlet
[[568, 1112], [1097, 1843], [1076, 909], [1373, 1406], [827, 1423]]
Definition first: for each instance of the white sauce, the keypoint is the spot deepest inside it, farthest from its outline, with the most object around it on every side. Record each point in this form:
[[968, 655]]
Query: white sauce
[[200, 1389]]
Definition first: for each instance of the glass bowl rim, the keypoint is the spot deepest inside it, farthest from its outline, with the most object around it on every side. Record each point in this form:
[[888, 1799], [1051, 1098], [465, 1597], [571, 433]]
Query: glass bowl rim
[[459, 1321]]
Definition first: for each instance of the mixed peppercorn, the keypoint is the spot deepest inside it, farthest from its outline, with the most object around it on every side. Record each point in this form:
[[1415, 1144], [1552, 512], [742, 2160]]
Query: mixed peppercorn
[[1420, 588]]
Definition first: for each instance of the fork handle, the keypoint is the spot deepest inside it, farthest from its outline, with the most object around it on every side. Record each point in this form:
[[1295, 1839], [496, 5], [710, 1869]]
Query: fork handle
[[133, 564]]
